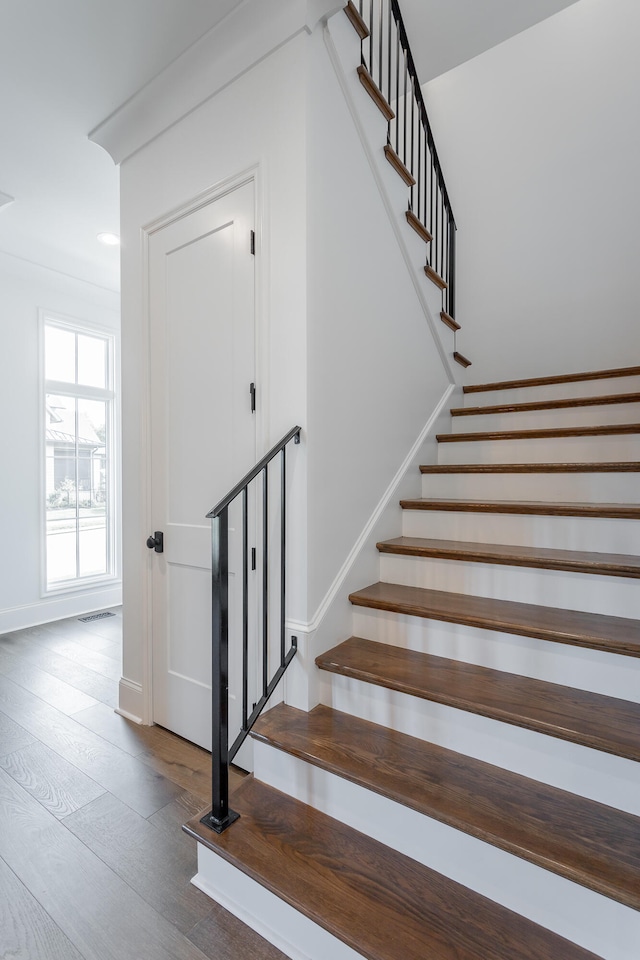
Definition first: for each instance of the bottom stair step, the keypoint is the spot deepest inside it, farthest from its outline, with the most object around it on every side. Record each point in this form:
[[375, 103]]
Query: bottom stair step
[[587, 842], [382, 904]]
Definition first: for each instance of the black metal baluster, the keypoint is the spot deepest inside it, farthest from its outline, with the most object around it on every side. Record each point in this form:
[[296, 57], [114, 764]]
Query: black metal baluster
[[445, 257], [413, 127], [397, 93], [389, 66], [452, 267], [425, 175], [265, 581], [371, 38], [283, 544], [245, 609], [404, 135], [425, 219], [380, 32], [431, 205], [441, 232], [438, 229]]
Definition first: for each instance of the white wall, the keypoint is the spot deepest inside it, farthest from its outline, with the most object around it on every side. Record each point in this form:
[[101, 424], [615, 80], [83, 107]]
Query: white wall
[[540, 145], [25, 289], [256, 122]]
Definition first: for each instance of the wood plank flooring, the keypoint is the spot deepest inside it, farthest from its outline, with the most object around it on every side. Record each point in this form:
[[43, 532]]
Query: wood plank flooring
[[94, 864]]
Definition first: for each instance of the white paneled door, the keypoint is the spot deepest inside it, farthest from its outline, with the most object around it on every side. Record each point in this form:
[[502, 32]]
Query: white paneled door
[[203, 439]]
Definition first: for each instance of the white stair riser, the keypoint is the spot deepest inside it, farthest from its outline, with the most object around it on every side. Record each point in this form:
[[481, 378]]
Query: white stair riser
[[547, 419], [592, 593], [558, 904], [558, 391], [590, 773], [550, 487], [598, 449], [611, 675], [286, 928], [596, 534]]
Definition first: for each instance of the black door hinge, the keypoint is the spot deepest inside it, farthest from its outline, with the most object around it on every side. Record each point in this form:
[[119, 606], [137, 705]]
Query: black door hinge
[[253, 558], [253, 242], [252, 394]]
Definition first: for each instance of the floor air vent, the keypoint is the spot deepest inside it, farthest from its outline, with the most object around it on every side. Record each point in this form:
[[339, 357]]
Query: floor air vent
[[96, 616]]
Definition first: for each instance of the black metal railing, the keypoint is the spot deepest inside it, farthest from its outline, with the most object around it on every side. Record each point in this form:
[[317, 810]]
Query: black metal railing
[[222, 754], [387, 57]]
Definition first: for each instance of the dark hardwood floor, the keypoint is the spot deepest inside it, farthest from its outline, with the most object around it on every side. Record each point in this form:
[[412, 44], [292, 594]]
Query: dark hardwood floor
[[93, 861]]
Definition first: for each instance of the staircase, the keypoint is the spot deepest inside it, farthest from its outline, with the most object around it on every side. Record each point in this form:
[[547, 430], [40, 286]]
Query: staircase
[[468, 788]]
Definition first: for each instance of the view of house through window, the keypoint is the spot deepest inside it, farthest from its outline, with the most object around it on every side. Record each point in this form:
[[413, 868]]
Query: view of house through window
[[79, 397]]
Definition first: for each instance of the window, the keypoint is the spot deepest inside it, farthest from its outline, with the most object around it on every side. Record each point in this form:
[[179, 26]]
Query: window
[[79, 443]]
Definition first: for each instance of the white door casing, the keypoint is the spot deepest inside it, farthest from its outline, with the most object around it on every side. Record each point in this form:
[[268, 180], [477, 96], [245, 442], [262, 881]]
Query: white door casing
[[203, 439]]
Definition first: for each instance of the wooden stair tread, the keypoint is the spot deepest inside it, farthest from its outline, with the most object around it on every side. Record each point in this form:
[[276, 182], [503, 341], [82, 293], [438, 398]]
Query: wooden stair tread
[[462, 360], [605, 564], [547, 381], [356, 20], [536, 508], [435, 277], [401, 169], [585, 841], [449, 321], [596, 631], [418, 226], [379, 902], [626, 466], [592, 720], [374, 92], [605, 430], [597, 401]]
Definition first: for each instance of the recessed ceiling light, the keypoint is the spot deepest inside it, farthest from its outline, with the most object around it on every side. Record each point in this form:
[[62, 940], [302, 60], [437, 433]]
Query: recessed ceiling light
[[109, 239]]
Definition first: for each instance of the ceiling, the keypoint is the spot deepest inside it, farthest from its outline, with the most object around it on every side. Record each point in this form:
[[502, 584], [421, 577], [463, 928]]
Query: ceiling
[[65, 65]]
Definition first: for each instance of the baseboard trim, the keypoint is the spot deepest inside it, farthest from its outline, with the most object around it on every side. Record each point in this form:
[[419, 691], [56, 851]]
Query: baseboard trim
[[130, 701], [59, 608]]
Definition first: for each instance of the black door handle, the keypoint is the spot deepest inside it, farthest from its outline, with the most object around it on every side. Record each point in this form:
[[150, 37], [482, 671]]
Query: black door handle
[[156, 542]]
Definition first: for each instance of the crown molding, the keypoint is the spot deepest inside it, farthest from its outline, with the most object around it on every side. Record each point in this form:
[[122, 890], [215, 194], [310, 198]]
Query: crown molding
[[245, 36]]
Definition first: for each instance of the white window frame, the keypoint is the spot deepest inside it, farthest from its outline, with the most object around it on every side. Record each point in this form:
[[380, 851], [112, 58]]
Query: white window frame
[[111, 396]]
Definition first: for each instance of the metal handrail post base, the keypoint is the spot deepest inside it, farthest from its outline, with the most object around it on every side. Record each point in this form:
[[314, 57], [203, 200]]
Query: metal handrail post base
[[209, 820]]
